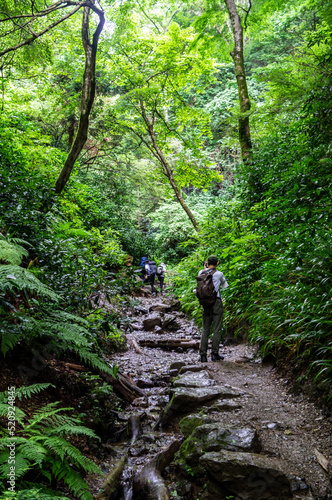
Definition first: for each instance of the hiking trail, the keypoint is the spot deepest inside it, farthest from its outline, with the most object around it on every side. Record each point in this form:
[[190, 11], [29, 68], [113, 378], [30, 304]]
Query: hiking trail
[[276, 443]]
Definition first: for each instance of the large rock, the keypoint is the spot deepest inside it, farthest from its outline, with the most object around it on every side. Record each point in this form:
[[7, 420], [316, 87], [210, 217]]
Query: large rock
[[249, 475], [160, 308], [197, 379], [174, 306], [216, 437], [174, 325], [187, 399], [189, 423], [151, 321], [177, 365], [192, 368], [167, 320]]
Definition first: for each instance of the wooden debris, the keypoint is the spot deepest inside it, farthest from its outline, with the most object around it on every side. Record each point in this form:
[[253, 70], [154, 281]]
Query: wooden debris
[[110, 488], [136, 346], [133, 429], [323, 461], [148, 483], [77, 368], [170, 343], [123, 386]]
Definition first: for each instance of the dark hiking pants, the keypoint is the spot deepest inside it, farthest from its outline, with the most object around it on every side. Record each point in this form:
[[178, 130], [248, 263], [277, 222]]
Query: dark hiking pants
[[212, 315]]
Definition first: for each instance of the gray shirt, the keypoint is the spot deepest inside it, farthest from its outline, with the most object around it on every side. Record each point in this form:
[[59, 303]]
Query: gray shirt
[[218, 279]]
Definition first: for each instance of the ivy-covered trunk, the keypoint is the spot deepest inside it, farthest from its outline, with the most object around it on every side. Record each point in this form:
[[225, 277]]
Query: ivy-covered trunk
[[237, 55]]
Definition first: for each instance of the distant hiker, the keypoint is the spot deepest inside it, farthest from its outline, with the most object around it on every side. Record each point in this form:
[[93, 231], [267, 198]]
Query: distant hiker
[[209, 281], [144, 259], [150, 274], [161, 269]]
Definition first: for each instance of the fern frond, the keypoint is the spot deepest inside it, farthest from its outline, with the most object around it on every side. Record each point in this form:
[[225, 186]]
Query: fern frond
[[95, 361], [26, 391], [73, 430], [45, 415], [5, 408], [32, 451], [11, 252], [78, 485], [69, 317], [22, 465], [14, 278], [9, 440], [62, 448], [9, 341]]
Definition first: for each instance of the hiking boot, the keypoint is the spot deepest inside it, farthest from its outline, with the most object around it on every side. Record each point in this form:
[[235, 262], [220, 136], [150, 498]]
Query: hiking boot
[[203, 358], [216, 357]]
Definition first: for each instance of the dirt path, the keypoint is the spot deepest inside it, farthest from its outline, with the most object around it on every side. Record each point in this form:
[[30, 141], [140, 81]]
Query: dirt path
[[290, 428]]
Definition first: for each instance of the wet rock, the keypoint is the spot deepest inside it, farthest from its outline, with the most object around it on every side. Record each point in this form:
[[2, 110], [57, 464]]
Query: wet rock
[[249, 475], [174, 306], [216, 437], [187, 399], [144, 382], [191, 368], [194, 379], [298, 484], [140, 310], [179, 349], [177, 365], [167, 320], [159, 400], [151, 321], [174, 325], [137, 326], [158, 329], [184, 488], [189, 423], [173, 373], [138, 452], [159, 308], [140, 402]]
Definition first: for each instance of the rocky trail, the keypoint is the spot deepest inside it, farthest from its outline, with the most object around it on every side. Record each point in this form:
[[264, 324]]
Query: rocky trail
[[209, 431]]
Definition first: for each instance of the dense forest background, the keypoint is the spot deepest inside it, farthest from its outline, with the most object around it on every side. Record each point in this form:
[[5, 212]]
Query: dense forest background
[[125, 131]]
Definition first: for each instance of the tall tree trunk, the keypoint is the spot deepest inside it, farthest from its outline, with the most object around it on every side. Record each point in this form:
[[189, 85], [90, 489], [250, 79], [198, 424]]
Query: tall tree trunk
[[237, 55], [166, 166], [88, 95]]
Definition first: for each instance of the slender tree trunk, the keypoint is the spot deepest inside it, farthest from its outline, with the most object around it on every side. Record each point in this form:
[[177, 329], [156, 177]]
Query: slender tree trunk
[[88, 95], [237, 55], [166, 167]]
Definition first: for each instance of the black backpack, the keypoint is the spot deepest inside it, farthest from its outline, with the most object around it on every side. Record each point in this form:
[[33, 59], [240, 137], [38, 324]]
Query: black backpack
[[205, 291], [153, 268]]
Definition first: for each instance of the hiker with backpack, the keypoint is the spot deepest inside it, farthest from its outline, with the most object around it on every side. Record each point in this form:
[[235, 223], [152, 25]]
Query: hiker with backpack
[[209, 282], [161, 269], [150, 274], [144, 259]]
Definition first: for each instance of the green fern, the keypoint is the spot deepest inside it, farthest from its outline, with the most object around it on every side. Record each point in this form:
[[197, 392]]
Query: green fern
[[42, 445], [10, 250], [14, 278], [8, 341], [69, 334]]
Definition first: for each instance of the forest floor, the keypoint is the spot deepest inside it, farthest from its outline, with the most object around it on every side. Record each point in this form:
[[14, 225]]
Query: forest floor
[[290, 427]]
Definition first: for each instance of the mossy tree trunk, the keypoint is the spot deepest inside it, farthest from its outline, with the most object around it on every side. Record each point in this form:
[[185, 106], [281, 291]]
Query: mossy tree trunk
[[88, 95], [238, 58]]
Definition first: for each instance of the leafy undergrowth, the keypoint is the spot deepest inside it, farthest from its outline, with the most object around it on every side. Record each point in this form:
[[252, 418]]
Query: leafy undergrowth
[[60, 425]]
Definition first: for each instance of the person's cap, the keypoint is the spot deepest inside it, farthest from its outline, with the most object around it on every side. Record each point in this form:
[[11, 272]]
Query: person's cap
[[212, 260]]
